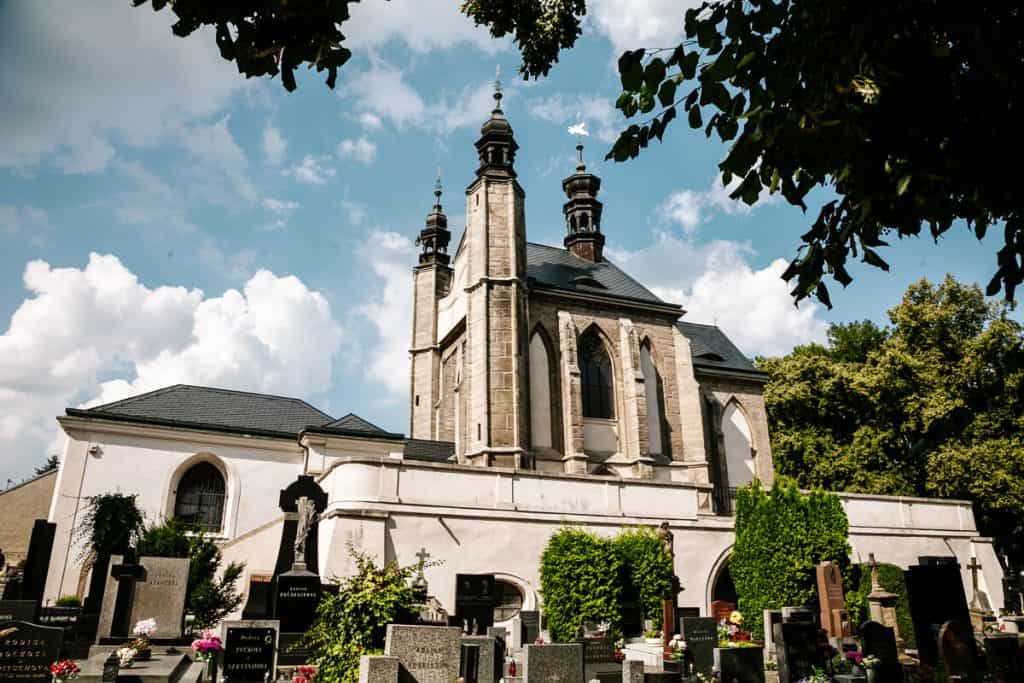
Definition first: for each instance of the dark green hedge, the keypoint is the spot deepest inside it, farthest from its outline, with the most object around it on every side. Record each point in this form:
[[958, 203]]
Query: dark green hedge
[[891, 578], [781, 535], [586, 577]]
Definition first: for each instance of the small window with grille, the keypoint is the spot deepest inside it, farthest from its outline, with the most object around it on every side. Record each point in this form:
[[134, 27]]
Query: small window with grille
[[199, 500]]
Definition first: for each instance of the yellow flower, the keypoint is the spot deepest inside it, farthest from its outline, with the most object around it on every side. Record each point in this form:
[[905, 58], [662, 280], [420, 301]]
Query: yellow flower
[[736, 617]]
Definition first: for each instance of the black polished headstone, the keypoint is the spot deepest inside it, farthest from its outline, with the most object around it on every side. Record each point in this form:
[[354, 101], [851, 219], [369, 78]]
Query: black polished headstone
[[740, 664], [249, 653], [880, 641], [27, 651], [530, 626], [935, 594], [475, 598], [296, 600], [126, 573], [796, 650], [1005, 658], [701, 636], [19, 610], [37, 561], [469, 664]]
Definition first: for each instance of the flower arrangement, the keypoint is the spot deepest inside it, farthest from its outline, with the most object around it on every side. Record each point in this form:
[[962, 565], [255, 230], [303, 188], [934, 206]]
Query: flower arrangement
[[64, 670], [995, 627], [819, 676], [126, 656], [145, 628], [732, 634], [678, 646], [207, 647], [143, 631], [538, 641], [715, 676], [304, 674]]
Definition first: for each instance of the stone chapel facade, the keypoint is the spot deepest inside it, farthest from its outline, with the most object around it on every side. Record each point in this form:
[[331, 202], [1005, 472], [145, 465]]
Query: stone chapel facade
[[547, 388], [535, 357]]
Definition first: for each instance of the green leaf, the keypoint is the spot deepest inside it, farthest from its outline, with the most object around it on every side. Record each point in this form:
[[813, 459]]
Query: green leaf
[[667, 93], [901, 186], [871, 257], [654, 74], [695, 118], [688, 66]]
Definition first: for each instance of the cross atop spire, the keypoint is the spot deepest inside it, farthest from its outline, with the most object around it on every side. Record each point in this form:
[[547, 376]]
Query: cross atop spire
[[437, 192], [497, 88]]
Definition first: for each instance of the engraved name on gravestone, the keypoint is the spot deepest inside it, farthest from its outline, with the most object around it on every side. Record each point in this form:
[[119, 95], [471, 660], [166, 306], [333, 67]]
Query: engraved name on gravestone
[[159, 594], [561, 663], [430, 654], [250, 650], [27, 651], [18, 610], [701, 636]]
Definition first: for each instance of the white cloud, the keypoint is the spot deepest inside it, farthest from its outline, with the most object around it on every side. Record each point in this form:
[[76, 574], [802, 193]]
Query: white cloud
[[78, 77], [684, 207], [564, 109], [423, 25], [355, 211], [633, 24], [14, 219], [311, 171], [274, 145], [279, 205], [382, 94], [361, 150], [370, 120], [220, 166], [391, 256], [716, 284], [691, 208], [97, 334]]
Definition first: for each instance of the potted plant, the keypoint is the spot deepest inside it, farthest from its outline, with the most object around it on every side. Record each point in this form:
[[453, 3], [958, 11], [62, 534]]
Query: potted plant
[[652, 637], [64, 670], [143, 631], [737, 650]]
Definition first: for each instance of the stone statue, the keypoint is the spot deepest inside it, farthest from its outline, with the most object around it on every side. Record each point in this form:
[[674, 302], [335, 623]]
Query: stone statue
[[307, 518], [668, 539]]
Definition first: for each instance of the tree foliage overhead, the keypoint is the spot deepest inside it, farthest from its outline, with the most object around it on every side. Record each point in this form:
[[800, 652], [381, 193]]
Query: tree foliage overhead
[[931, 406], [111, 524]]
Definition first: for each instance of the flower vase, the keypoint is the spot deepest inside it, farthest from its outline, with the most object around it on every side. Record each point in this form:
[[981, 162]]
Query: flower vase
[[210, 675]]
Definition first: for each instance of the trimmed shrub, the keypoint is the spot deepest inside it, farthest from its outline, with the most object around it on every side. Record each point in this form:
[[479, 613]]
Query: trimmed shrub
[[68, 601], [581, 580], [891, 578], [781, 535], [647, 569]]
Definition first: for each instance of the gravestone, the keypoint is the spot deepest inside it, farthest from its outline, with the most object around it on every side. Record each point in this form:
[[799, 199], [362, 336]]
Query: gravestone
[[935, 594], [27, 651], [250, 650], [561, 663], [37, 561], [530, 626], [701, 636], [958, 651], [475, 598], [158, 593], [379, 669], [261, 597], [599, 660], [798, 615], [489, 658], [430, 654], [1005, 658], [19, 610], [632, 671], [770, 618], [469, 663], [796, 650], [879, 641], [740, 664], [832, 605], [721, 609]]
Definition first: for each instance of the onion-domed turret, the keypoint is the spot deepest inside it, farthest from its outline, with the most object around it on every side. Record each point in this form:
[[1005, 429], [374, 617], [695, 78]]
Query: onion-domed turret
[[583, 212], [496, 146]]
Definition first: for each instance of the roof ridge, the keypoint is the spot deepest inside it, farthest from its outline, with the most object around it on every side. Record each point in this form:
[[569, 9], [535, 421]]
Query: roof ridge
[[358, 417]]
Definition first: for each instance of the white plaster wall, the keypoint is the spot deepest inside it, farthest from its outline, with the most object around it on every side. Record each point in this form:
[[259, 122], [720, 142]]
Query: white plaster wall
[[738, 456], [540, 394], [146, 461]]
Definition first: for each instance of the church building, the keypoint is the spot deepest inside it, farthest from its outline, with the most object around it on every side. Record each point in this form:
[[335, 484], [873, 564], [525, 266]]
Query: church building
[[547, 387]]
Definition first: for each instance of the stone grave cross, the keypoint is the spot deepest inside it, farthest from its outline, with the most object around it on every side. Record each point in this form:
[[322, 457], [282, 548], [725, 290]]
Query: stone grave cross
[[873, 563], [126, 573], [977, 603]]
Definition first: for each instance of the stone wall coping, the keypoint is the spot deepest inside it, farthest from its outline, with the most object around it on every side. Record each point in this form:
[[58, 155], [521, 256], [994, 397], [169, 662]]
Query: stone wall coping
[[897, 499]]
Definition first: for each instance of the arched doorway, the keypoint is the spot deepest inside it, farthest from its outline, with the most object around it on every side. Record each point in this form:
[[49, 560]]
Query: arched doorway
[[722, 592]]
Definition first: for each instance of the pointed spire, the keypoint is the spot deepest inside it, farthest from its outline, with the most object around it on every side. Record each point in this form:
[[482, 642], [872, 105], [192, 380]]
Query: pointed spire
[[434, 236], [583, 210], [496, 146], [497, 88], [437, 192]]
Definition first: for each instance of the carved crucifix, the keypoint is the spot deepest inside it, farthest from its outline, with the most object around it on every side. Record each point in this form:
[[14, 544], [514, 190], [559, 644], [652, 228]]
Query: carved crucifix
[[307, 518]]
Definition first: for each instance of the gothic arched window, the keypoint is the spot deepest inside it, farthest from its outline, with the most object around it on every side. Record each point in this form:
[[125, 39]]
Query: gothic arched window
[[199, 500], [597, 378]]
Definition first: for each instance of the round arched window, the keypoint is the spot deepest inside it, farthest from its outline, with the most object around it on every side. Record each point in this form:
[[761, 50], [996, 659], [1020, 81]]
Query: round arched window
[[510, 601], [199, 500]]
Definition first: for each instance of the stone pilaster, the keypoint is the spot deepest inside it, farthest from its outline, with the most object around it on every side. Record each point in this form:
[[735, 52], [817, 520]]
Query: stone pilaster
[[693, 459], [633, 421], [575, 460]]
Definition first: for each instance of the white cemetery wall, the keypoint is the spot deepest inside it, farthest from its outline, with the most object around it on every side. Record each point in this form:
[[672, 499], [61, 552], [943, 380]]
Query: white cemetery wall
[[148, 461]]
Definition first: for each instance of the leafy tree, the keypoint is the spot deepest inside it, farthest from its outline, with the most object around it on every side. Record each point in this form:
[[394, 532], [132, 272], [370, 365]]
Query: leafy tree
[[581, 580], [50, 464], [932, 406], [111, 523], [210, 599], [781, 536], [647, 568], [890, 576], [353, 622]]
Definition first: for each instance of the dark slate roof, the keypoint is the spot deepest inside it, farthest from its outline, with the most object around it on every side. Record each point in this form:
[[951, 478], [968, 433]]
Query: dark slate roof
[[558, 268], [434, 451], [354, 423], [712, 350], [184, 405]]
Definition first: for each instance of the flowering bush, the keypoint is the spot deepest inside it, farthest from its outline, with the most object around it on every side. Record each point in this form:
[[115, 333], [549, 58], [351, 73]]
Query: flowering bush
[[304, 674], [207, 647], [732, 634], [64, 670]]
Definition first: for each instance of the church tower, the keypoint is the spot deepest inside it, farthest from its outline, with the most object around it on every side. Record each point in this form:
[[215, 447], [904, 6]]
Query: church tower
[[583, 213], [431, 281], [497, 414]]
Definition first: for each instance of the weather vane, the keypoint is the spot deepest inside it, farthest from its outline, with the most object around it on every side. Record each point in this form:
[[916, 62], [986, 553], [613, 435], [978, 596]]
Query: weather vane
[[497, 87], [580, 131]]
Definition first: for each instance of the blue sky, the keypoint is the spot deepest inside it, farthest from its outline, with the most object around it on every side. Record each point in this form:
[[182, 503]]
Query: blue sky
[[163, 220]]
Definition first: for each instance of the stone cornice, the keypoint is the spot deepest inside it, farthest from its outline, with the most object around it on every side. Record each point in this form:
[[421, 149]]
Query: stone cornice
[[617, 302], [73, 425]]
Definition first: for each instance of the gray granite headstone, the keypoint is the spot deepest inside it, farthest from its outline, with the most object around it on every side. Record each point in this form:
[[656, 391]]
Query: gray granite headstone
[[487, 661], [559, 663], [771, 617], [430, 654], [378, 669], [250, 649], [633, 671], [159, 595]]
